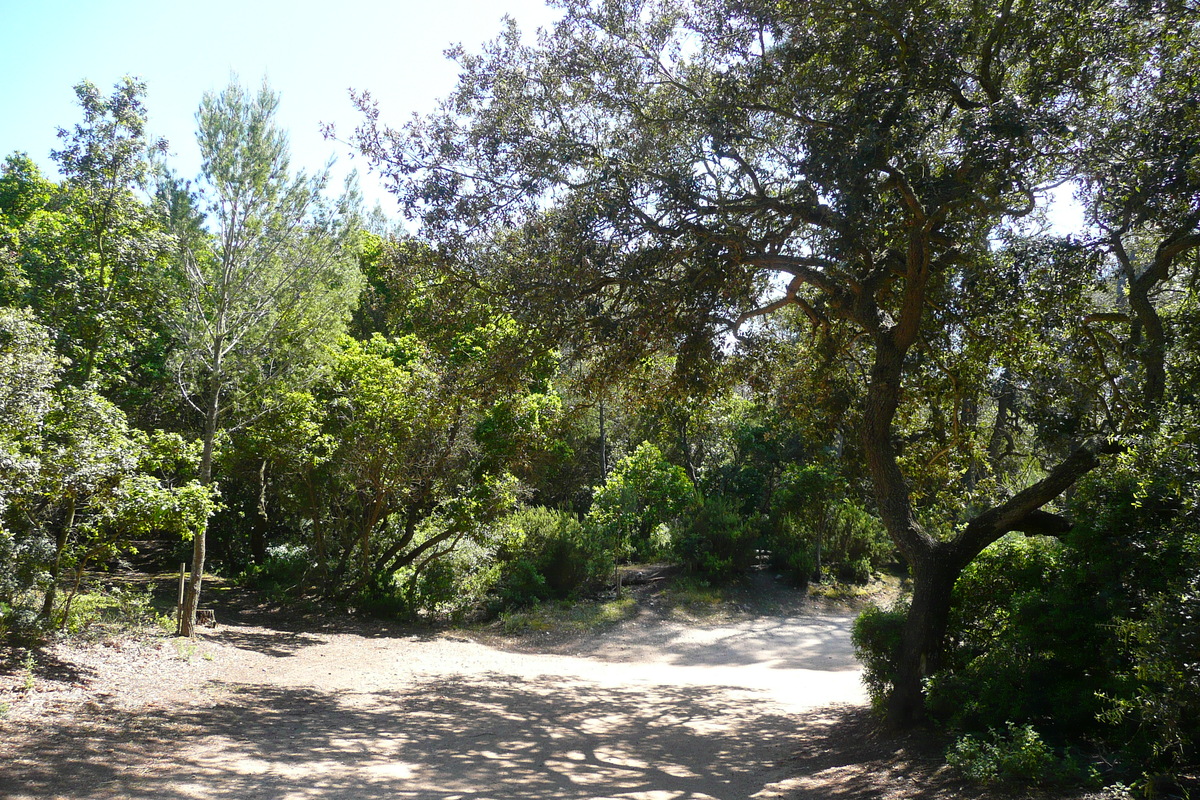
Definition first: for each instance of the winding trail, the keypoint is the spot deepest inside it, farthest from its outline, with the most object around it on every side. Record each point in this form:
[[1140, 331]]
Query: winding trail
[[654, 709]]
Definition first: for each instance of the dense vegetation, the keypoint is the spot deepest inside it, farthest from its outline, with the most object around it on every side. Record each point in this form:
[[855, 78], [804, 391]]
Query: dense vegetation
[[717, 284]]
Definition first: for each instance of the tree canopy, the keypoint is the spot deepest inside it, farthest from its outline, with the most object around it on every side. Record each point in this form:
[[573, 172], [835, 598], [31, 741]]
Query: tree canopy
[[662, 172]]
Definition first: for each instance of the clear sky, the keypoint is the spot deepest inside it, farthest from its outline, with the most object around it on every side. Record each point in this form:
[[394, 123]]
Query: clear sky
[[310, 52]]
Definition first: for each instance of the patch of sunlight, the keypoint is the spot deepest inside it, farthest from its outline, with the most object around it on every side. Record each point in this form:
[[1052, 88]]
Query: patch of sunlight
[[620, 758], [396, 769]]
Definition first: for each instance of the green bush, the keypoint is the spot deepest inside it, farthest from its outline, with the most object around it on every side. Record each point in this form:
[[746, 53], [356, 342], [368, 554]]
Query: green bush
[[791, 550], [1092, 639], [282, 571], [117, 608], [1159, 707], [21, 624], [452, 584], [877, 635], [1026, 642], [385, 602], [817, 527], [642, 498], [1018, 754], [715, 541], [546, 554]]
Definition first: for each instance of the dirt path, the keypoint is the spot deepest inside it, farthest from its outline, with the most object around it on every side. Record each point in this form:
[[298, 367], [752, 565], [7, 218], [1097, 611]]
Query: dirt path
[[657, 709]]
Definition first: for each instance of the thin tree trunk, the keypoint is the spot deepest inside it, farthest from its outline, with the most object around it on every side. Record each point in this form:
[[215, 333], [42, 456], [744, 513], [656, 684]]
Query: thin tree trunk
[[191, 598], [603, 444], [258, 529], [60, 547], [72, 595]]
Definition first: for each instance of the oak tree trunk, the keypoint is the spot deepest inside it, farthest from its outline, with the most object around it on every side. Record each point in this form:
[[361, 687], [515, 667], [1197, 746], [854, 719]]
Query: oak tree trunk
[[924, 635]]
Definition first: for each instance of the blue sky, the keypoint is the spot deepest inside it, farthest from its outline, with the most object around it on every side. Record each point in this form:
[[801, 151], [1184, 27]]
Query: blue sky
[[310, 52]]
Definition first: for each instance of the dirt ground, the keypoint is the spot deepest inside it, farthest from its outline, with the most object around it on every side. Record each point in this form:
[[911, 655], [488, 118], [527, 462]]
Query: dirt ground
[[760, 700]]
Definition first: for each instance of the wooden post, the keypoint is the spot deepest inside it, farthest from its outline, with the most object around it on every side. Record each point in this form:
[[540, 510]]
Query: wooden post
[[179, 605]]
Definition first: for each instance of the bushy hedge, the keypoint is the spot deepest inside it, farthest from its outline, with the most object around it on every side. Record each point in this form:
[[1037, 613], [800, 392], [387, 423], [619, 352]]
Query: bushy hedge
[[1092, 641], [876, 636], [642, 498]]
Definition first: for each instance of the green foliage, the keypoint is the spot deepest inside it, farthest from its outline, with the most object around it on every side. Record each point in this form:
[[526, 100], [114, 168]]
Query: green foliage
[[573, 616], [116, 609], [643, 496], [877, 635], [817, 527], [78, 484], [1147, 512], [1017, 754], [91, 255], [1095, 636], [791, 549], [715, 541], [275, 282], [545, 554], [1159, 692], [391, 450], [1025, 643], [282, 571], [24, 192], [452, 585]]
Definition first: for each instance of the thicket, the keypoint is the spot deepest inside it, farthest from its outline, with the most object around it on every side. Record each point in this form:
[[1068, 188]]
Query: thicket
[[1080, 652]]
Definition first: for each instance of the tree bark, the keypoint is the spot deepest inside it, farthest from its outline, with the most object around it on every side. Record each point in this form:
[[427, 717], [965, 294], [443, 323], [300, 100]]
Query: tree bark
[[924, 636], [191, 597], [60, 546]]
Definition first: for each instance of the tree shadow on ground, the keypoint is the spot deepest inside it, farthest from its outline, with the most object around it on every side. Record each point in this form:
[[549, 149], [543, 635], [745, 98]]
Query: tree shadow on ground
[[45, 665], [470, 738], [278, 644]]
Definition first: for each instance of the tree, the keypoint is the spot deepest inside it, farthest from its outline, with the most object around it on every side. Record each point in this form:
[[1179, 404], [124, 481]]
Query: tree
[[270, 281], [659, 173], [78, 484], [641, 496], [100, 286], [23, 193], [28, 371], [404, 449]]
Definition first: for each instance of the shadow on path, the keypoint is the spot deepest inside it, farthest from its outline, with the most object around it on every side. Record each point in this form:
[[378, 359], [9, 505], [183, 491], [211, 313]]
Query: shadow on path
[[485, 737]]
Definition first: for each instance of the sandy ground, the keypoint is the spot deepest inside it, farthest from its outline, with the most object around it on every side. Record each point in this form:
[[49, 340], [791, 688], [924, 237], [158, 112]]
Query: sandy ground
[[747, 706]]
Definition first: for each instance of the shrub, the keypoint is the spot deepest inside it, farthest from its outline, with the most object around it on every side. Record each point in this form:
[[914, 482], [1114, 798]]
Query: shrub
[[635, 507], [877, 636], [117, 608], [791, 551], [1017, 754], [1160, 704], [816, 528], [715, 541], [547, 554], [282, 571], [21, 624], [451, 584], [1093, 638], [1026, 642]]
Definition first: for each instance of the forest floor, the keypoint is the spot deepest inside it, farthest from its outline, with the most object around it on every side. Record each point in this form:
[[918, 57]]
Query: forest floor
[[753, 695]]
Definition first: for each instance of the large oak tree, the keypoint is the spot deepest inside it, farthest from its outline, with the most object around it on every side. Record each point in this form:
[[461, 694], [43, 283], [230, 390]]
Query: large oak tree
[[662, 173]]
